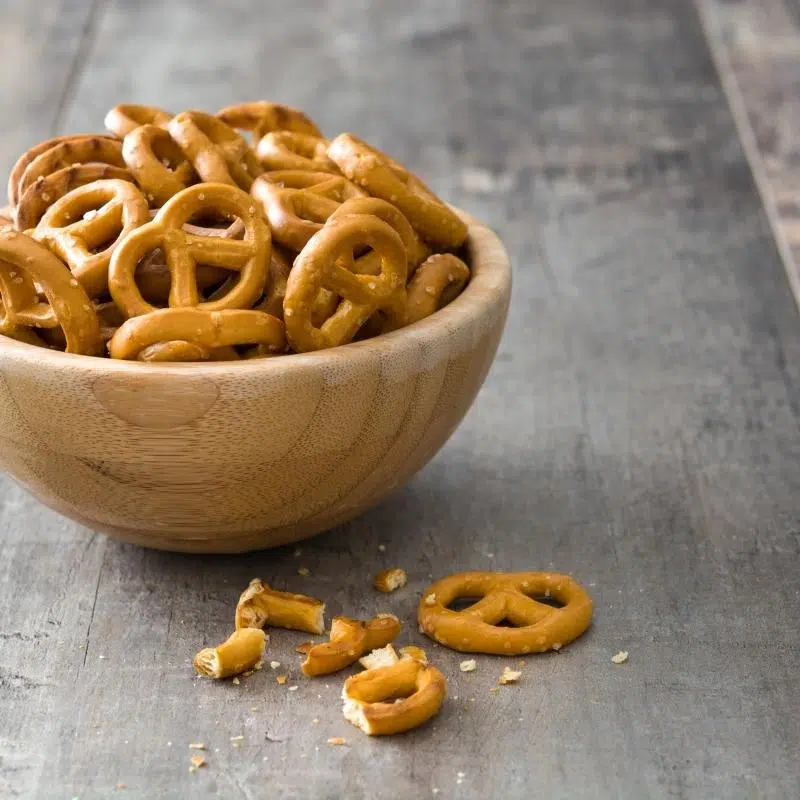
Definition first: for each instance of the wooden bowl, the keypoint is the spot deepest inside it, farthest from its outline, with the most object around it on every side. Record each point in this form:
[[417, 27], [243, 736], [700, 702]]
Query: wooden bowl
[[225, 458]]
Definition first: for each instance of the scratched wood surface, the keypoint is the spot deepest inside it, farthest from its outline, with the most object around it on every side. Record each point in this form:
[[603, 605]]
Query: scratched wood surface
[[639, 428]]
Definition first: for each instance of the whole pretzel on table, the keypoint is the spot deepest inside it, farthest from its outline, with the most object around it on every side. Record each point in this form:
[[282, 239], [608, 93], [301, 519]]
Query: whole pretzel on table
[[26, 268], [249, 256], [287, 150], [88, 217], [261, 117], [505, 596], [126, 117]]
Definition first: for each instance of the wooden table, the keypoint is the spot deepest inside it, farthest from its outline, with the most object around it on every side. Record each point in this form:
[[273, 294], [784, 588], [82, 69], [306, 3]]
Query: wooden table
[[639, 429]]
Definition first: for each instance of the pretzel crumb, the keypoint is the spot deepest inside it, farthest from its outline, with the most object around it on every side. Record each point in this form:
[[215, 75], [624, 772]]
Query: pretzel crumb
[[621, 657], [281, 679], [510, 675], [304, 571], [274, 664], [235, 681], [198, 761], [293, 688], [337, 740], [197, 746], [494, 689], [470, 665], [120, 786], [315, 721], [389, 580]]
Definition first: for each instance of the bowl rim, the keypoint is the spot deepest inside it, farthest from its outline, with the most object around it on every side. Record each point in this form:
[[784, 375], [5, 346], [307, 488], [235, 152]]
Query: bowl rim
[[490, 283]]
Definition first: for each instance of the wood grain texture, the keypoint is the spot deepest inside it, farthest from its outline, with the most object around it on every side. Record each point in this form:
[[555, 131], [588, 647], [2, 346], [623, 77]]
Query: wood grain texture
[[638, 430], [286, 447]]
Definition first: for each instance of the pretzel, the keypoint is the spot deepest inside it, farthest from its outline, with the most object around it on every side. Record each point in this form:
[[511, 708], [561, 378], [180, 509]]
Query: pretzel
[[280, 266], [350, 639], [178, 350], [384, 178], [259, 606], [243, 650], [217, 152], [248, 257], [118, 208], [206, 330], [286, 150], [159, 165], [27, 267], [370, 697], [323, 264], [437, 282], [389, 580], [126, 117], [262, 117], [42, 193], [505, 596], [73, 150]]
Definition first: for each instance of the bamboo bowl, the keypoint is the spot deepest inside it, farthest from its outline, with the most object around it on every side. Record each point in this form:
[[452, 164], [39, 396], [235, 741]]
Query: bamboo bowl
[[226, 458]]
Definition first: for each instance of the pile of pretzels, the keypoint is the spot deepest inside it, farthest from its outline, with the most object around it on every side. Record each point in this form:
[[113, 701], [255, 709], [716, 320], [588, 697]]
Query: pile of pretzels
[[174, 238]]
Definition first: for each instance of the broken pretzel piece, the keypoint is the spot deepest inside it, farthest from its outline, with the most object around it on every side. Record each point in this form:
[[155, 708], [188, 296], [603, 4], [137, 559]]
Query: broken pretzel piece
[[350, 639], [259, 606], [388, 580], [243, 650]]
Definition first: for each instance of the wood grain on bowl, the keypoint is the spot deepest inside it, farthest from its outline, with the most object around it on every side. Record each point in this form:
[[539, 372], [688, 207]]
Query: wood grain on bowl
[[229, 457]]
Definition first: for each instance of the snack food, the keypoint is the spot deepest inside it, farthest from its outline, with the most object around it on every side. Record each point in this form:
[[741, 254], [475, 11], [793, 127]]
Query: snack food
[[260, 605], [261, 117], [243, 650], [505, 596]]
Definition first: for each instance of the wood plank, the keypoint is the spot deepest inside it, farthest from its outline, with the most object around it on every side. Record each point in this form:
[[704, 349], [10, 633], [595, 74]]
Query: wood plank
[[639, 430]]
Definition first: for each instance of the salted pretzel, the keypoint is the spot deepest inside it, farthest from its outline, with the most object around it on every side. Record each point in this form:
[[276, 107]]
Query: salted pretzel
[[249, 257], [324, 264], [505, 596], [297, 203], [437, 282], [370, 697], [88, 217], [73, 150], [217, 152], [181, 350], [349, 640], [261, 117], [282, 150], [28, 268], [159, 165], [243, 650], [126, 117], [385, 178], [259, 605], [42, 193], [280, 266], [207, 330]]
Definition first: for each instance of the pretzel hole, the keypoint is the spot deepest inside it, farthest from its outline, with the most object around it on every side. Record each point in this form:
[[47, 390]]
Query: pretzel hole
[[547, 601], [463, 603]]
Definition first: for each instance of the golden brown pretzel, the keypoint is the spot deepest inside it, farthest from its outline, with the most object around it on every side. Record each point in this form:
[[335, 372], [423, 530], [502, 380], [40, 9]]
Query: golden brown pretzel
[[181, 350], [437, 282], [25, 265], [324, 263], [67, 153], [40, 195], [505, 596], [259, 605], [243, 650], [384, 178], [184, 251], [124, 118], [286, 150], [89, 217], [261, 117], [217, 152], [279, 268], [349, 640], [370, 697], [297, 203], [206, 329], [159, 165]]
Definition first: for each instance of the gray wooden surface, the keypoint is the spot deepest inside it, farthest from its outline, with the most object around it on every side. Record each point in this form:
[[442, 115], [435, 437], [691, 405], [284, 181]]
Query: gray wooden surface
[[639, 428]]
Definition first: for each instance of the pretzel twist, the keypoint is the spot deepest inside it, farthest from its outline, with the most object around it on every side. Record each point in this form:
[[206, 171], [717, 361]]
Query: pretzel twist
[[126, 117], [261, 117], [437, 282], [260, 605], [505, 596], [286, 150], [26, 268]]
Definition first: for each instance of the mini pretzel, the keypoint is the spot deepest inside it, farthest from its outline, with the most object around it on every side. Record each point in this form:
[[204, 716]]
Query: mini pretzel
[[298, 203], [243, 650], [279, 268], [369, 697], [178, 350], [159, 165], [505, 596], [27, 267], [261, 118], [41, 194], [350, 639], [117, 206], [184, 251], [384, 178], [437, 282], [67, 153], [126, 117], [323, 264], [205, 329], [259, 606], [217, 152], [285, 150]]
